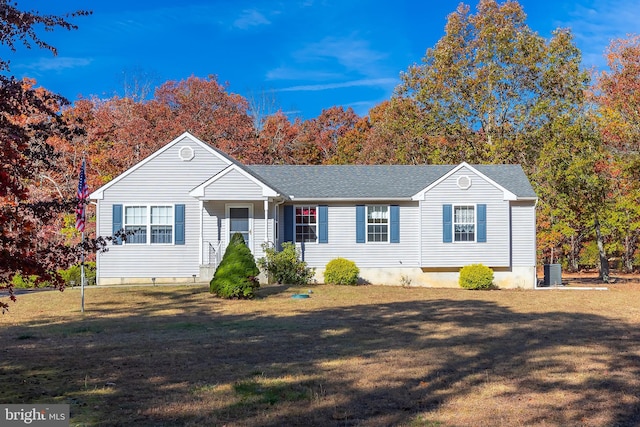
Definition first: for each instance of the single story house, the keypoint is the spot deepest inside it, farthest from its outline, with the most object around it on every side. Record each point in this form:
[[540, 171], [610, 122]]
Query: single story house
[[414, 225]]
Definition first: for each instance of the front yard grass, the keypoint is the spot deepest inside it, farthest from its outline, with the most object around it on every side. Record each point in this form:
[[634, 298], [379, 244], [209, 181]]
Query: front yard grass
[[347, 356]]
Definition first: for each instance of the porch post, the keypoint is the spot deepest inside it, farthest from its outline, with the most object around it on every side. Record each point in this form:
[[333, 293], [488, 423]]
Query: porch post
[[201, 237], [266, 221]]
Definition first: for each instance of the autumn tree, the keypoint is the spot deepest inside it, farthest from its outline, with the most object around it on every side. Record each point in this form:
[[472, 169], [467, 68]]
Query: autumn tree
[[491, 82], [276, 140], [616, 98], [28, 118], [206, 109], [318, 138]]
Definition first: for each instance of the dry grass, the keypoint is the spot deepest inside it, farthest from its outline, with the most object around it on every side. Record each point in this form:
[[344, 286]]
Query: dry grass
[[366, 356]]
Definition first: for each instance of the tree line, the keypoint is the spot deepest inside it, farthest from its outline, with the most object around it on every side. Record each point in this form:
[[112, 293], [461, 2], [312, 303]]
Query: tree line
[[491, 90]]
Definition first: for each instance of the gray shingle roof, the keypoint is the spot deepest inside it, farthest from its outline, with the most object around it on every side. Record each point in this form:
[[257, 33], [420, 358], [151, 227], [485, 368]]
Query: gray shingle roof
[[375, 181]]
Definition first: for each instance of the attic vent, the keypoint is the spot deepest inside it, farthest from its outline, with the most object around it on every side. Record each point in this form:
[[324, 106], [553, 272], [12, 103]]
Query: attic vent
[[464, 182], [186, 153]]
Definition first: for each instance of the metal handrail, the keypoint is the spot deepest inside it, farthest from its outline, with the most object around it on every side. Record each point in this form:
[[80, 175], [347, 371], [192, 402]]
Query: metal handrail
[[214, 255]]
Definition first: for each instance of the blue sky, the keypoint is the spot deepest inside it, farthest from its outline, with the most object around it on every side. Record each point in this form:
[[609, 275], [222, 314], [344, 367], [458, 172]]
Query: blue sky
[[302, 56]]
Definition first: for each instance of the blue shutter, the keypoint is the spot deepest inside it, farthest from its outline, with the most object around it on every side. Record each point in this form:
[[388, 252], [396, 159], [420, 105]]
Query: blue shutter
[[288, 224], [179, 216], [482, 224], [323, 224], [394, 221], [447, 226], [360, 224], [116, 223]]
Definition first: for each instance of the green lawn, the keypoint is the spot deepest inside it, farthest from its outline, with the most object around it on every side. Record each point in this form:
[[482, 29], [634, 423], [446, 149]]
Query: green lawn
[[347, 356]]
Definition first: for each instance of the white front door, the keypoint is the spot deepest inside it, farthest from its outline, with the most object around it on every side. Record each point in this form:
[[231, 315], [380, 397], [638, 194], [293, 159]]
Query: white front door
[[240, 220]]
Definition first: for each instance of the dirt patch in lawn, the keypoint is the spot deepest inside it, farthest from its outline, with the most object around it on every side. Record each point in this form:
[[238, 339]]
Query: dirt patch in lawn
[[346, 356]]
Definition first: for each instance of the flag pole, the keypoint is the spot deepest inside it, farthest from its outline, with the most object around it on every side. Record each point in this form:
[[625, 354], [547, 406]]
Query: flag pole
[[81, 216], [82, 278]]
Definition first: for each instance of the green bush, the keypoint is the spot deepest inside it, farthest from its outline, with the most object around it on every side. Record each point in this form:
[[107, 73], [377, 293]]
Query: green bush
[[22, 282], [341, 271], [285, 266], [74, 274], [236, 276], [476, 276]]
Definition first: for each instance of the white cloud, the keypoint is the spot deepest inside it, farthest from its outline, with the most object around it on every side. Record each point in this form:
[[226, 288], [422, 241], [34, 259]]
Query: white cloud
[[596, 22], [250, 18], [382, 82], [57, 63], [289, 73], [352, 53]]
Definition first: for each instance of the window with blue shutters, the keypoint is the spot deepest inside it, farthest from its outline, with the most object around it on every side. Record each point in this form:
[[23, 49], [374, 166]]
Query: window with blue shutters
[[464, 223], [150, 224], [377, 224]]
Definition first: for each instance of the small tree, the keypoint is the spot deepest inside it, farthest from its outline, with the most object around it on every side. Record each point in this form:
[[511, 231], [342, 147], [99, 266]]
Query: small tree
[[236, 276], [285, 266]]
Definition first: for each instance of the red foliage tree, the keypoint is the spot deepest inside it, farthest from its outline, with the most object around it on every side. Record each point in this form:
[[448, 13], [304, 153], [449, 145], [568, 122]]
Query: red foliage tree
[[28, 118]]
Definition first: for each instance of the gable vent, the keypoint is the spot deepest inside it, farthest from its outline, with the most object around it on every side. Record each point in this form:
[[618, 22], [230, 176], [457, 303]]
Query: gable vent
[[186, 153], [464, 182]]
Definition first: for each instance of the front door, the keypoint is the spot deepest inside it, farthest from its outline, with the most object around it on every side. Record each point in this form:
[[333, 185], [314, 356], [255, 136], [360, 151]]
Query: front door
[[240, 222]]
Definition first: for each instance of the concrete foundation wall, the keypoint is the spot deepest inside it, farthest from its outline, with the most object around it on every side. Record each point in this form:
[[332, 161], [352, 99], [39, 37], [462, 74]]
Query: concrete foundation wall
[[516, 278]]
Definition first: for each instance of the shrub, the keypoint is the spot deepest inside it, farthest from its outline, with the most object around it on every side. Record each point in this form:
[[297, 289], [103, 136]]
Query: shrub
[[74, 274], [341, 271], [476, 276], [23, 282], [236, 276], [285, 266]]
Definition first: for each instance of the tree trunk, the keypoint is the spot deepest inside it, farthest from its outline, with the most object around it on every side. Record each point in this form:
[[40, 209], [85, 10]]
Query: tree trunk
[[604, 263]]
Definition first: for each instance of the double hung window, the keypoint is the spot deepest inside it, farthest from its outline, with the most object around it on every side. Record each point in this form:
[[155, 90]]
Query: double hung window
[[464, 224], [149, 224], [377, 223], [306, 224]]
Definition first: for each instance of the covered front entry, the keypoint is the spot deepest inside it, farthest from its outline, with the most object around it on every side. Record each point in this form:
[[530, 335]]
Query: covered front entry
[[241, 221]]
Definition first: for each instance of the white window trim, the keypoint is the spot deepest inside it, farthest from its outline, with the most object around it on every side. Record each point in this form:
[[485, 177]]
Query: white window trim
[[295, 223], [228, 208], [366, 225], [148, 223], [475, 223]]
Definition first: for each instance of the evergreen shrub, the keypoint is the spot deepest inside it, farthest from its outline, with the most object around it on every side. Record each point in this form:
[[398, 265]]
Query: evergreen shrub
[[341, 271], [476, 276], [236, 276]]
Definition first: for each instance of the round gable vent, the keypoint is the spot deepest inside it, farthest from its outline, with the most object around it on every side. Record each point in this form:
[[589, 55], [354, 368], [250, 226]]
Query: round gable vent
[[464, 182], [186, 153]]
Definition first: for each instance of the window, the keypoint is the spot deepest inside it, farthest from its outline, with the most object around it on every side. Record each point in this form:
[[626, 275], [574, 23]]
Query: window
[[161, 224], [464, 224], [377, 223], [306, 224], [135, 219], [141, 219]]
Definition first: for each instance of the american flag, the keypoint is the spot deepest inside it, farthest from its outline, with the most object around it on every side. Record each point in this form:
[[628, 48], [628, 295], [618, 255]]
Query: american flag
[[83, 195]]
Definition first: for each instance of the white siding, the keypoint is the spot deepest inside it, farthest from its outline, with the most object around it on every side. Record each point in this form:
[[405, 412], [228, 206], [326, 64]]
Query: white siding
[[523, 241], [493, 253], [166, 179], [342, 240], [215, 224], [233, 185]]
